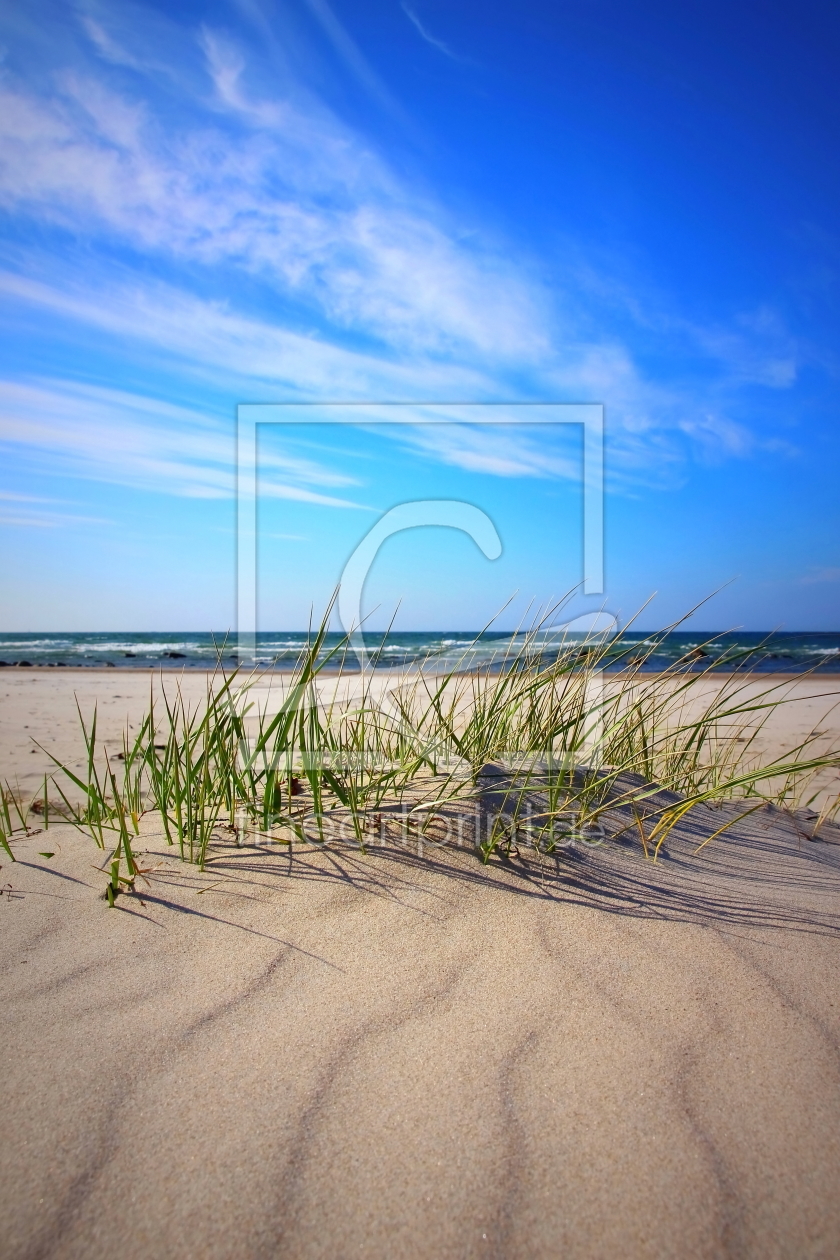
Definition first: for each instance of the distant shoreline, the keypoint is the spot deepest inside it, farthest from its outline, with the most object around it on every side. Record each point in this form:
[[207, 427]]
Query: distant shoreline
[[289, 671]]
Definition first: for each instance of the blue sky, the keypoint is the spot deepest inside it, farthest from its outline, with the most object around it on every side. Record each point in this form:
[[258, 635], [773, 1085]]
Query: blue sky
[[209, 204]]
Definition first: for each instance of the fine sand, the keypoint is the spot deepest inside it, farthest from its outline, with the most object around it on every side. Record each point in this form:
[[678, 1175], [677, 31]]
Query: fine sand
[[408, 1054]]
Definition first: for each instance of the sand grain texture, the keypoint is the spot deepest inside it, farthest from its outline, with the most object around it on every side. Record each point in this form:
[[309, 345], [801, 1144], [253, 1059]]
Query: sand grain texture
[[393, 1055]]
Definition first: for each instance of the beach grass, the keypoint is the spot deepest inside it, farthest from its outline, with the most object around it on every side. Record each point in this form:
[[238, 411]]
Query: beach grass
[[563, 750]]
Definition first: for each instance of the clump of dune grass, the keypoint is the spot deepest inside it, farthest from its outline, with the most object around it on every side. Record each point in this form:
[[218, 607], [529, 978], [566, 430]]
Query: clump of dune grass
[[570, 748]]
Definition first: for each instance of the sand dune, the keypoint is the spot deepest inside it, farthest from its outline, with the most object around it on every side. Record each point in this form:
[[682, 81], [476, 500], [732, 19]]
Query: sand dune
[[414, 1055], [39, 708]]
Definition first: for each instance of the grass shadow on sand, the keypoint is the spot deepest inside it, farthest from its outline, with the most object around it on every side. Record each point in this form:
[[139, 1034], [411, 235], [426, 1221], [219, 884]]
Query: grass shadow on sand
[[766, 872]]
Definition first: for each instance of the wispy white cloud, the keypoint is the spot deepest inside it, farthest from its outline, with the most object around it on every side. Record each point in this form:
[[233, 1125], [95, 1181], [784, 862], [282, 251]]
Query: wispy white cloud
[[351, 55], [32, 511], [48, 520], [426, 33], [225, 346], [719, 434], [275, 490], [295, 199], [367, 287], [754, 348], [144, 442], [758, 350], [10, 496], [498, 450], [107, 46], [223, 349], [826, 574]]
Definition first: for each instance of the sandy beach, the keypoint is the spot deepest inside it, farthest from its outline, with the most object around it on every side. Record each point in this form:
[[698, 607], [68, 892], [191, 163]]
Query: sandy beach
[[410, 1054], [419, 630]]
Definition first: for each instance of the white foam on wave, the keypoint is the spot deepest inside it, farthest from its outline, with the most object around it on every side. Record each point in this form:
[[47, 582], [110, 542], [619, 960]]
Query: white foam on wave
[[33, 643]]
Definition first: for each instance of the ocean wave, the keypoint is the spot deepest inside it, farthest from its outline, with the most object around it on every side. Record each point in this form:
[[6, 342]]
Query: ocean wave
[[146, 649], [34, 643]]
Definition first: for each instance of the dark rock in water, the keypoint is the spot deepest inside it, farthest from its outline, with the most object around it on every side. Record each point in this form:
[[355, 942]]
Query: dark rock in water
[[696, 654], [110, 665], [131, 654], [176, 656], [2, 663], [25, 664]]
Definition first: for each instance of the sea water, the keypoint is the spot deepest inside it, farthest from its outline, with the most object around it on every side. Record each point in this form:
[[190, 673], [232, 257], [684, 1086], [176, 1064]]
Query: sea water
[[784, 653]]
